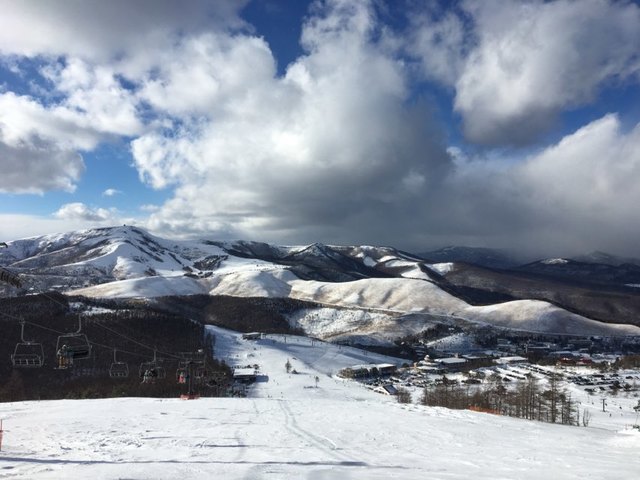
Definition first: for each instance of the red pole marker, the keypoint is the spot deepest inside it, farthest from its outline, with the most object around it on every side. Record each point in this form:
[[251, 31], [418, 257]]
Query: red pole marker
[[1, 432]]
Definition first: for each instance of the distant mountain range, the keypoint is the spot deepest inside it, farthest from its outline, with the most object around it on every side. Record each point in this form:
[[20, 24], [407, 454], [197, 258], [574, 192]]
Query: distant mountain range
[[495, 258], [372, 294], [485, 257]]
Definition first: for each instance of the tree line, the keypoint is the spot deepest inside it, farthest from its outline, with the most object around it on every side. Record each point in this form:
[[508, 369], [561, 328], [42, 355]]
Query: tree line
[[132, 329], [529, 399]]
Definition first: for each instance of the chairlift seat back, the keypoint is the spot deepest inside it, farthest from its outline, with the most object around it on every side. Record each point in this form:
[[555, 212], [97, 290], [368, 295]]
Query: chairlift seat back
[[28, 354], [152, 366], [119, 370], [77, 345]]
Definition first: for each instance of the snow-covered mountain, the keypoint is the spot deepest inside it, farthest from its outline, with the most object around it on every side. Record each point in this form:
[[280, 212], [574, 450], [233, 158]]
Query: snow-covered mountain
[[587, 272], [378, 293], [605, 258]]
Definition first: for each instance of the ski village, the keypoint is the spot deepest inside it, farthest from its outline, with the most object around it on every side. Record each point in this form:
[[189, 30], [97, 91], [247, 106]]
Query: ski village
[[131, 356]]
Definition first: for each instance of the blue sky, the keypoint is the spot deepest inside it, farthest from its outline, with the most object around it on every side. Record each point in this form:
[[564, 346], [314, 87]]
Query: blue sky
[[509, 124]]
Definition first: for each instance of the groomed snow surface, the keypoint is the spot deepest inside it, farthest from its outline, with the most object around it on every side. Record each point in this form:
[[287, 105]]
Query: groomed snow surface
[[289, 429]]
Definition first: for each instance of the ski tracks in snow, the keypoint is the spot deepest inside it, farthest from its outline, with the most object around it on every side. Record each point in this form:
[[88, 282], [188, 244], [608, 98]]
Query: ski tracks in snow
[[325, 445]]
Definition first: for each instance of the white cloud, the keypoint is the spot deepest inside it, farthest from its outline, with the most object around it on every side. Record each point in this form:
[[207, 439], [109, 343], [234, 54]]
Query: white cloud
[[110, 192], [217, 68], [440, 41], [590, 174], [24, 226], [103, 31], [285, 156], [94, 98], [521, 63], [25, 121], [86, 48], [577, 195], [80, 211], [39, 144]]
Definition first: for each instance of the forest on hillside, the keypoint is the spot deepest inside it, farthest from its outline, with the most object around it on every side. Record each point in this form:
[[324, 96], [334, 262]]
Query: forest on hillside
[[127, 335]]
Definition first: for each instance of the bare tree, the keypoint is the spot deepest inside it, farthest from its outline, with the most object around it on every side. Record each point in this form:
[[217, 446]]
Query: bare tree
[[586, 418], [403, 395]]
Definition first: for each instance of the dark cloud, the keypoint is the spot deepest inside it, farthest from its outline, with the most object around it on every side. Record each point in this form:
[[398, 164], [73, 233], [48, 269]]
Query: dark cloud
[[37, 169]]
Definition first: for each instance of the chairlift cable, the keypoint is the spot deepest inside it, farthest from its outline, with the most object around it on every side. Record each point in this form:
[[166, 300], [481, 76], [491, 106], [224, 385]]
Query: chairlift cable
[[14, 279], [165, 354], [113, 331], [91, 342], [46, 295], [108, 347], [45, 328], [13, 317]]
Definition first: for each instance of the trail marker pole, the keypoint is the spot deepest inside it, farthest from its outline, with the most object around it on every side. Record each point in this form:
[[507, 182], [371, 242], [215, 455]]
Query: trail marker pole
[[1, 432]]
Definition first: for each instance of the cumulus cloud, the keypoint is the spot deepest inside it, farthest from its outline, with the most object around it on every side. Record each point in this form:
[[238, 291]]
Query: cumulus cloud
[[218, 68], [87, 49], [293, 155], [515, 65], [104, 31], [37, 168], [110, 192], [25, 121], [80, 211], [440, 40], [577, 195], [94, 97], [40, 144]]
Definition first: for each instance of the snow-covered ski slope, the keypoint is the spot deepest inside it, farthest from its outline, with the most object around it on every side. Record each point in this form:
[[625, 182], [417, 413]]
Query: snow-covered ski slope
[[289, 429]]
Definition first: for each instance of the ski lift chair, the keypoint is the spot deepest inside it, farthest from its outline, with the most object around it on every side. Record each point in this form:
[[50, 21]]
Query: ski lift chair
[[191, 363], [73, 346], [181, 375], [27, 354], [118, 369], [200, 373], [150, 371]]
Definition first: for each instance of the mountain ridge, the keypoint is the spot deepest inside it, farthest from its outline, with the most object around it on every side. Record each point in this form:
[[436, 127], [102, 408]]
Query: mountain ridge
[[126, 262]]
